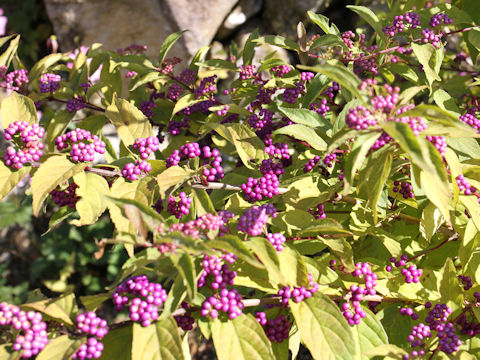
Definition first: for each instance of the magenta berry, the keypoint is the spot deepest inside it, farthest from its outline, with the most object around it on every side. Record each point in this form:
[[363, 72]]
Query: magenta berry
[[255, 219], [277, 240], [92, 325], [264, 187], [180, 208], [49, 83], [83, 145], [146, 146], [133, 171]]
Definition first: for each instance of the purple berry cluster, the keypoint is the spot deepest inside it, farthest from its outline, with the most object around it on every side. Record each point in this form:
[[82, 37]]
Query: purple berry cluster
[[278, 151], [290, 95], [321, 108], [438, 19], [277, 240], [467, 282], [269, 166], [227, 301], [437, 319], [412, 20], [318, 212], [76, 104], [83, 145], [360, 118], [411, 273], [92, 325], [185, 321], [403, 188], [352, 310], [333, 90], [146, 108], [329, 159], [132, 171], [49, 83], [180, 208], [14, 80], [30, 330], [306, 76], [207, 87], [417, 338], [409, 312], [347, 37], [214, 171], [195, 227], [467, 327], [310, 164], [471, 120], [247, 72], [464, 186], [264, 187], [175, 127], [260, 120], [169, 64], [146, 146], [66, 197], [276, 329], [429, 36], [174, 91], [298, 294], [27, 140], [142, 297], [92, 349], [253, 221]]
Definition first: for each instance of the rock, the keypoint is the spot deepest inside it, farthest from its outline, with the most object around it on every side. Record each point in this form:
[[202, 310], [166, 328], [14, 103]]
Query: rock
[[284, 15], [240, 14], [119, 23]]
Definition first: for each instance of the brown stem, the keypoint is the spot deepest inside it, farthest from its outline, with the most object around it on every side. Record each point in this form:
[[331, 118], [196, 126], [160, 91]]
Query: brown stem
[[454, 237]]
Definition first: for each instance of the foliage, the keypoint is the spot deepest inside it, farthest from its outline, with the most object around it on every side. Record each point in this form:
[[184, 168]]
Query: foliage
[[332, 203]]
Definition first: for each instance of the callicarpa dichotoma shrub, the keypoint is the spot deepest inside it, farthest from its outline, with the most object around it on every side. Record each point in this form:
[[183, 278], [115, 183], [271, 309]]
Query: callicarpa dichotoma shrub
[[333, 203]]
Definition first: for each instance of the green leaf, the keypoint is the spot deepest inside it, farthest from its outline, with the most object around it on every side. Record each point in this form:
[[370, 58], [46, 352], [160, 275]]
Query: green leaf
[[60, 348], [446, 102], [44, 64], [17, 107], [199, 57], [342, 249], [374, 177], [357, 156], [269, 63], [185, 101], [426, 55], [342, 75], [50, 174], [249, 48], [473, 37], [246, 142], [118, 344], [473, 208], [323, 329], [173, 176], [314, 89], [9, 54], [305, 117], [324, 23], [167, 45], [203, 204], [370, 17], [9, 179], [92, 302], [324, 226], [293, 267], [159, 341], [175, 297], [130, 122], [241, 339], [431, 221], [186, 269], [327, 40], [386, 351], [405, 71], [448, 286], [61, 309], [92, 189], [233, 244], [279, 41], [57, 125], [304, 133], [369, 334], [268, 256]]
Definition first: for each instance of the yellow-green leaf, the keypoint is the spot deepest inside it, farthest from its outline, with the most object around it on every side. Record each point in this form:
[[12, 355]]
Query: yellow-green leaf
[[174, 175], [9, 179], [92, 189], [129, 121], [18, 107], [60, 348]]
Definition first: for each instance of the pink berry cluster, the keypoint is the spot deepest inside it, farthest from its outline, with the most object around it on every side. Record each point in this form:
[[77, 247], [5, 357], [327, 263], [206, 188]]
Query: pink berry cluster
[[269, 166], [277, 240], [347, 37], [132, 171], [439, 142], [169, 64], [223, 111], [180, 208], [253, 221], [298, 294], [217, 273], [14, 80], [142, 297], [409, 312], [278, 151], [27, 140], [175, 127], [417, 337], [360, 118], [260, 120], [95, 328], [306, 76], [412, 20], [65, 197], [198, 226], [281, 70], [146, 146], [352, 310], [403, 188], [318, 212], [214, 171], [247, 72], [83, 145], [276, 329], [429, 36], [465, 187], [49, 83], [264, 187], [30, 330], [471, 120]]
